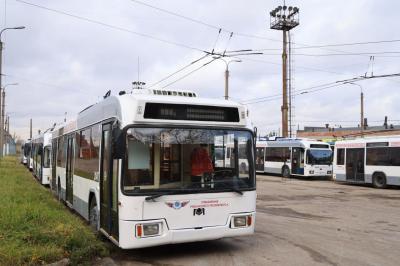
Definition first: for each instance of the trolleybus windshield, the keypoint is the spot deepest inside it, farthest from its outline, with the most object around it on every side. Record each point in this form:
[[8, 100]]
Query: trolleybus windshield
[[319, 157], [187, 160]]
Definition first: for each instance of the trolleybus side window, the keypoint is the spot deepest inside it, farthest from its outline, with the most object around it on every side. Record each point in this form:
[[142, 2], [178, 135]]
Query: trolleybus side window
[[277, 154], [87, 157], [60, 152], [384, 156], [340, 157]]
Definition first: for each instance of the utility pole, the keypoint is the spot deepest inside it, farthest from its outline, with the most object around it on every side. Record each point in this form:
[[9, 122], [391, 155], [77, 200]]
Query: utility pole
[[284, 18], [362, 113], [362, 124], [2, 89], [30, 129]]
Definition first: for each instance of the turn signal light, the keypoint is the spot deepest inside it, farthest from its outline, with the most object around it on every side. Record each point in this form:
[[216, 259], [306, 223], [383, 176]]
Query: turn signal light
[[241, 221]]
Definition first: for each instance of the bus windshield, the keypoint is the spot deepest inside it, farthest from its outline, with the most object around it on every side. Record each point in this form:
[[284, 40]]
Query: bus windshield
[[320, 157], [187, 160]]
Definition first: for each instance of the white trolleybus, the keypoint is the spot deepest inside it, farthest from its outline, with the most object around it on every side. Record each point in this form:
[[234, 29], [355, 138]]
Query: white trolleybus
[[300, 157], [41, 155], [141, 167], [373, 161], [28, 154]]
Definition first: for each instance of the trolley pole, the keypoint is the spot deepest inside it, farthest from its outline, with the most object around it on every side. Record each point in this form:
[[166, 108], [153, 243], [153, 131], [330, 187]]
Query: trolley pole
[[284, 18]]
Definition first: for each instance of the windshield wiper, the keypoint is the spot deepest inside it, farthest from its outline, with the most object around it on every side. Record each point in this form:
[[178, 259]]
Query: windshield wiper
[[233, 189], [153, 197]]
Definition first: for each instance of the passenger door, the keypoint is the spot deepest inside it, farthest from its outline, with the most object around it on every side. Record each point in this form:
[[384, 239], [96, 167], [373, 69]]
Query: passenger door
[[108, 185], [260, 159], [69, 170], [355, 164]]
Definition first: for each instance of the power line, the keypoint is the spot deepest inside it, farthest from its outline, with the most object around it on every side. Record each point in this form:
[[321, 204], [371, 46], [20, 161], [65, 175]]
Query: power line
[[202, 22], [299, 91], [191, 72], [332, 45], [343, 54], [111, 26], [301, 67], [177, 71]]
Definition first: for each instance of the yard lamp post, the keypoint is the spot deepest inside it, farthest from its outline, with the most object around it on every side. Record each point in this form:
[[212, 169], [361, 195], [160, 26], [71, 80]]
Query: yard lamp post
[[227, 74], [2, 93]]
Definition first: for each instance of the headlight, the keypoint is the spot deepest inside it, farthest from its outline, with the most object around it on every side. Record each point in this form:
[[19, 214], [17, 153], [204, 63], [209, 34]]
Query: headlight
[[147, 230], [329, 172], [311, 172], [241, 221]]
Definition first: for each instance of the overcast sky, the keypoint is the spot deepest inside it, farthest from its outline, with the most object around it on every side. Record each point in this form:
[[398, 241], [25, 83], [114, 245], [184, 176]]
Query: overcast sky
[[64, 63]]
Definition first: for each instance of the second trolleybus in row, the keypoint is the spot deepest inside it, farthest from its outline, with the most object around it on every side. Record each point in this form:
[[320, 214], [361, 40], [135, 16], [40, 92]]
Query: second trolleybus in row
[[300, 157]]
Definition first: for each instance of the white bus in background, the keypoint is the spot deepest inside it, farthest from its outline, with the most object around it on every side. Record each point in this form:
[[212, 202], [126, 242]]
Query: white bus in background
[[225, 155], [126, 166], [373, 161], [24, 159], [300, 157], [28, 154], [42, 157]]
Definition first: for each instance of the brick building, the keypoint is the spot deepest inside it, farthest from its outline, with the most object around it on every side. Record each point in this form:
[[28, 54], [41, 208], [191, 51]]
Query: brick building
[[331, 134]]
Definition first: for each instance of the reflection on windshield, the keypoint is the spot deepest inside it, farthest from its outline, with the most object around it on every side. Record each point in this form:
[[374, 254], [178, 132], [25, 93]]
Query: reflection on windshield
[[167, 159], [321, 157]]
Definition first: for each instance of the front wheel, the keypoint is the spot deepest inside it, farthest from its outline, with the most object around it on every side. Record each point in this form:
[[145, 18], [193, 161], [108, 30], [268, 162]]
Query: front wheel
[[59, 196], [379, 180], [93, 215], [285, 172]]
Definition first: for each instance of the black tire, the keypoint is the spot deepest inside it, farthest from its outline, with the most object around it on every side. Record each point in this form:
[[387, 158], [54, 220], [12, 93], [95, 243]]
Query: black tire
[[285, 172], [93, 214], [59, 196], [379, 180]]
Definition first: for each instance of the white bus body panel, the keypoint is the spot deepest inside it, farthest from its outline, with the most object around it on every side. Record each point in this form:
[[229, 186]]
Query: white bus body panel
[[181, 225], [392, 173]]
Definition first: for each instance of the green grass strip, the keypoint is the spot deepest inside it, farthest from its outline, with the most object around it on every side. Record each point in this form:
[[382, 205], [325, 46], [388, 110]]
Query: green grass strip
[[35, 228]]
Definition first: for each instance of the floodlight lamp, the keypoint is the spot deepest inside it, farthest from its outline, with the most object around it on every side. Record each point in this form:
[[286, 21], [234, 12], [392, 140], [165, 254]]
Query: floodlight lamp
[[278, 16], [284, 7], [279, 7], [284, 17], [296, 9], [290, 8]]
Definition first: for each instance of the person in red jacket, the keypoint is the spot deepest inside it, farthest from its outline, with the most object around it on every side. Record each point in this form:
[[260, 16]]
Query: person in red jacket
[[201, 164]]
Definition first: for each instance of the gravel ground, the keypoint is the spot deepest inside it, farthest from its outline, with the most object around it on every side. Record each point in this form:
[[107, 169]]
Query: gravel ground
[[299, 222]]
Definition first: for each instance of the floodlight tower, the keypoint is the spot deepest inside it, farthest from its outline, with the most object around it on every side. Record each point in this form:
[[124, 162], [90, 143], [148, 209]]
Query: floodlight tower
[[284, 18]]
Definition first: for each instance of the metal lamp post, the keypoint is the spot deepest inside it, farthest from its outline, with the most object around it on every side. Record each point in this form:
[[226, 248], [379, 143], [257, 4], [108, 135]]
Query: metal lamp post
[[227, 74], [2, 93]]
